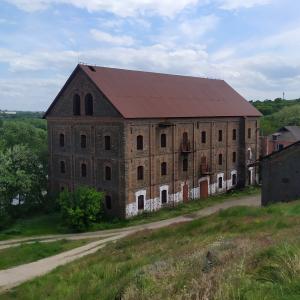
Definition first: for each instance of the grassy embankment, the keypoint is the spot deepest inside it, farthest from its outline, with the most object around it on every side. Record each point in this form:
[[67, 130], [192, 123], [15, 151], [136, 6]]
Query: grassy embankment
[[27, 253], [239, 253], [52, 224]]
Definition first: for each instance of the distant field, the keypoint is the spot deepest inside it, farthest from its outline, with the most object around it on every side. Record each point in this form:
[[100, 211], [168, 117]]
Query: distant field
[[239, 253], [51, 223]]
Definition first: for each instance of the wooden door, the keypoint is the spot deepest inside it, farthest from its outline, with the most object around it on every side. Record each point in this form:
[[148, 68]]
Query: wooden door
[[185, 193], [204, 189]]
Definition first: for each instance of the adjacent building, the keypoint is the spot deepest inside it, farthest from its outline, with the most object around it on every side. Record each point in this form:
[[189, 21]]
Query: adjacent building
[[149, 140], [280, 173]]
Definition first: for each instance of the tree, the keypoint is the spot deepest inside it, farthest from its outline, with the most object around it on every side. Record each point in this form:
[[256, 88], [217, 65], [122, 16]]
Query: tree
[[81, 208]]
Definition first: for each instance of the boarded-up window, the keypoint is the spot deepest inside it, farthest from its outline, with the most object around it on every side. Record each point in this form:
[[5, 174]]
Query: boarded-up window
[[76, 105], [139, 142], [141, 202], [107, 143], [163, 140], [89, 106], [163, 169], [164, 196], [140, 173], [62, 140], [83, 141], [83, 170]]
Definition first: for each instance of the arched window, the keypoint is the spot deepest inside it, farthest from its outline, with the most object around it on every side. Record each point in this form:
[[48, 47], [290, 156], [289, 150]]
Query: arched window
[[76, 105], [83, 170], [220, 182], [141, 202], [83, 141], [89, 106], [163, 168], [107, 173], [163, 140], [164, 196], [108, 202], [220, 159], [185, 165], [107, 143], [140, 173], [139, 142], [61, 140], [62, 167]]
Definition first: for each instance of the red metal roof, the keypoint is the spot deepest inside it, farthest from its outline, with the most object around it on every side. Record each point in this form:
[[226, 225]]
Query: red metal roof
[[137, 94]]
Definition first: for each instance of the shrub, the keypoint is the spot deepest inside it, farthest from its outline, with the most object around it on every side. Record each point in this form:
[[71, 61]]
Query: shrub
[[81, 208]]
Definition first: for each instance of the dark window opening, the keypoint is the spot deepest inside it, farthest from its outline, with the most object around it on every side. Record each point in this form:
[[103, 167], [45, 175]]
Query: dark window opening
[[108, 202], [280, 147], [185, 165], [203, 137], [233, 157], [220, 182], [140, 173], [220, 159], [233, 179], [83, 141], [62, 140], [83, 170], [234, 134], [62, 188], [163, 140], [62, 167], [220, 136], [89, 106], [163, 169], [249, 133], [249, 154], [185, 138], [107, 143], [107, 173], [141, 202], [76, 105], [164, 196], [139, 142]]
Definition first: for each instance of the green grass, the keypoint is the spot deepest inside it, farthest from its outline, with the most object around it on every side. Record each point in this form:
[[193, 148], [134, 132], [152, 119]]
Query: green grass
[[240, 253], [51, 224], [26, 253]]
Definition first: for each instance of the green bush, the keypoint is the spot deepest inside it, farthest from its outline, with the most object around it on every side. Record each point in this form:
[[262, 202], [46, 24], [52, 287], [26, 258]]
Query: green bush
[[81, 208]]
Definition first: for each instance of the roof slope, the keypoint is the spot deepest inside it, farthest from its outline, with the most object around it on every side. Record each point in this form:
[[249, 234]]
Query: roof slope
[[137, 94]]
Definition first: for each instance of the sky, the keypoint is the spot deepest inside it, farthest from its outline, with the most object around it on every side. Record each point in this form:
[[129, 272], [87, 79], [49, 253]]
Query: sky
[[254, 45]]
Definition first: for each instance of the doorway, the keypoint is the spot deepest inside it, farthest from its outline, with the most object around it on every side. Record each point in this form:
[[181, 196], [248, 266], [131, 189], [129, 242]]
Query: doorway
[[203, 189], [185, 193]]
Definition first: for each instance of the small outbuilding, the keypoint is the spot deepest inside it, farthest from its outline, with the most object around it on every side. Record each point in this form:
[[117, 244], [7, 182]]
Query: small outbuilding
[[280, 174]]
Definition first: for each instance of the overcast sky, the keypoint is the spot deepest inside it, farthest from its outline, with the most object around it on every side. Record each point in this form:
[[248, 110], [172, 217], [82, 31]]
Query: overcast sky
[[252, 44]]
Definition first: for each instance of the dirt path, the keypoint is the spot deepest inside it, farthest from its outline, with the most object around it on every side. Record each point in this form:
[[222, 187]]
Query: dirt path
[[17, 275]]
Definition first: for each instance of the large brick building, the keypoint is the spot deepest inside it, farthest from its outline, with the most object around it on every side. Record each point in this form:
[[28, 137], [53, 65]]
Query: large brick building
[[149, 140]]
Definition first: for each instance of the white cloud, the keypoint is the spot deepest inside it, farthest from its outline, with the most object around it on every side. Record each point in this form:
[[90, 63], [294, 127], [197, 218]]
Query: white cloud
[[121, 40], [237, 4], [123, 8]]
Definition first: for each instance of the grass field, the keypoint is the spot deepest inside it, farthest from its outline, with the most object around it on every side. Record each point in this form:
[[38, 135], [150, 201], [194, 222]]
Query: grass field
[[240, 253], [51, 224], [26, 253]]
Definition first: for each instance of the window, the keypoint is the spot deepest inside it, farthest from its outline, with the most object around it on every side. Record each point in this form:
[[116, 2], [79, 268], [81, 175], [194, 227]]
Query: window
[[89, 107], [220, 159], [83, 141], [185, 165], [83, 170], [141, 202], [233, 157], [139, 142], [107, 144], [249, 154], [185, 138], [61, 140], [62, 167], [249, 133], [203, 137], [108, 201], [280, 147], [234, 134], [233, 179], [76, 105], [164, 196], [220, 136], [220, 182], [163, 140], [107, 173], [140, 173], [163, 168]]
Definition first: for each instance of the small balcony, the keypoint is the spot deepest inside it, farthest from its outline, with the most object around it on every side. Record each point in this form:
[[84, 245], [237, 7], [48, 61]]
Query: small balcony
[[186, 147], [205, 170]]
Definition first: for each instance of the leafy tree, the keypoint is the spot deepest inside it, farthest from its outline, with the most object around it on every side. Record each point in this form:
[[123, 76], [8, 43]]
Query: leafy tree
[[81, 208]]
